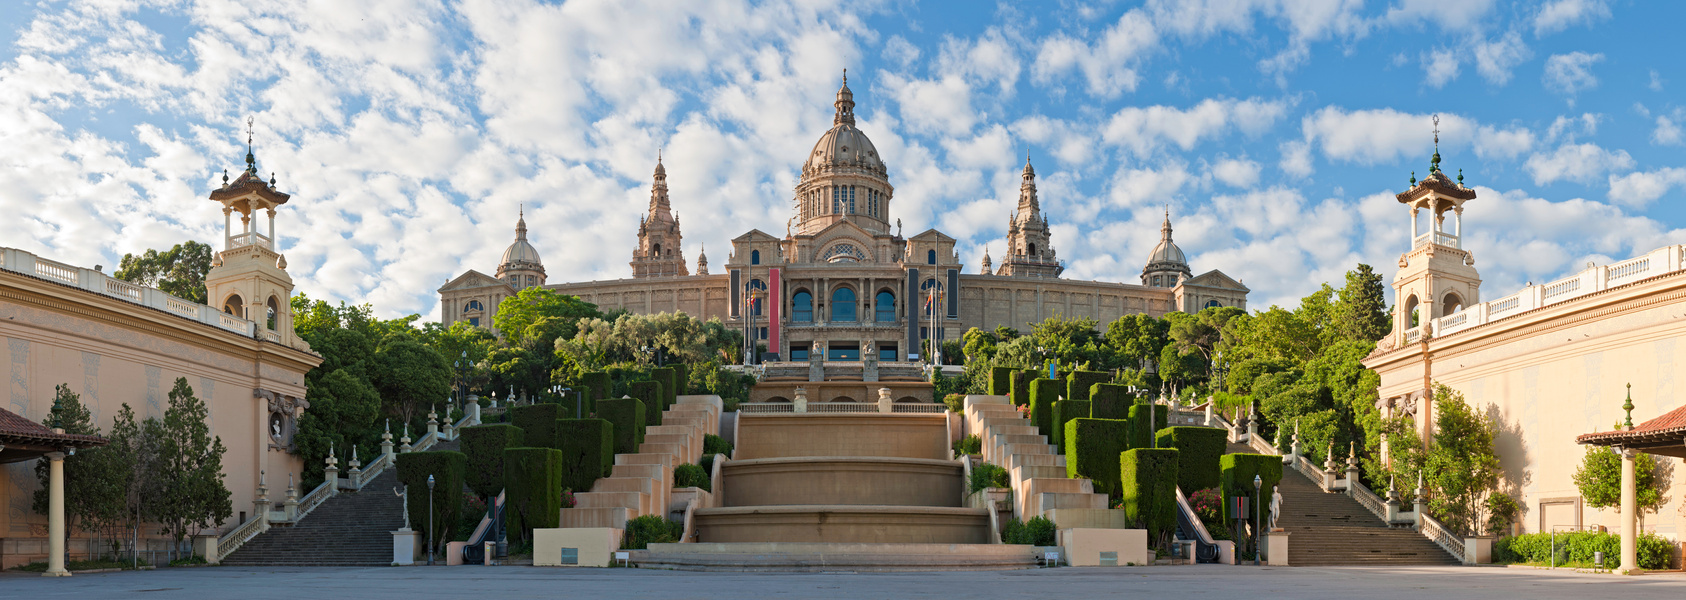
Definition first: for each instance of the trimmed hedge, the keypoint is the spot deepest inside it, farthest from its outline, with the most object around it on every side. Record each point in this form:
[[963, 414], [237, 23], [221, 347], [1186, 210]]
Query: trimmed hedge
[[689, 475], [670, 384], [681, 379], [1236, 478], [537, 423], [1043, 393], [533, 489], [1021, 386], [1091, 450], [447, 470], [988, 475], [1038, 531], [714, 444], [588, 451], [654, 400], [1149, 480], [650, 529], [1079, 383], [598, 382], [1066, 410], [1140, 435], [1001, 381], [627, 415], [1576, 548], [1110, 401], [1199, 448], [483, 445]]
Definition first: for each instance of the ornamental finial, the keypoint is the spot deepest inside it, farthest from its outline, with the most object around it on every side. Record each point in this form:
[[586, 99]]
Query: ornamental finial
[[1628, 407]]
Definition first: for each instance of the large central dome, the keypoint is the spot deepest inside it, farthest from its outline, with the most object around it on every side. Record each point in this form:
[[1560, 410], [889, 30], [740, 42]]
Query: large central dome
[[844, 179], [843, 145]]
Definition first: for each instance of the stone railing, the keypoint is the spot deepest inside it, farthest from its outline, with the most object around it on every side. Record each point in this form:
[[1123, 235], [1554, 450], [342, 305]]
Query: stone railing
[[237, 537], [1438, 533], [1367, 498], [1594, 279], [362, 478], [766, 407], [1439, 238], [919, 407], [1259, 445], [12, 259], [316, 497]]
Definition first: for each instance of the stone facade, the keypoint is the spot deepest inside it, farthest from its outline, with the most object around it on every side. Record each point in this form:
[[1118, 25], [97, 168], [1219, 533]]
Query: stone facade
[[845, 282]]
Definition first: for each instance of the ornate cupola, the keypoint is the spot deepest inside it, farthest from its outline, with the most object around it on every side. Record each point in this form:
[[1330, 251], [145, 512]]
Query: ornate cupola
[[1166, 265], [659, 252], [1030, 252], [521, 267], [702, 261], [1436, 275], [843, 178], [248, 277]]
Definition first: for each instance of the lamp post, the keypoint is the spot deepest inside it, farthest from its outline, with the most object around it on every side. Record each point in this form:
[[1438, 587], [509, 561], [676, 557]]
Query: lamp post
[[1258, 488], [430, 532]]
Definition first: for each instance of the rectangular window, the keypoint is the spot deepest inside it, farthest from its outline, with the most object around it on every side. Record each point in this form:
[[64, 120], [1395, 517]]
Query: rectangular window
[[474, 321], [843, 352], [798, 352], [762, 334], [851, 199], [836, 200], [887, 352]]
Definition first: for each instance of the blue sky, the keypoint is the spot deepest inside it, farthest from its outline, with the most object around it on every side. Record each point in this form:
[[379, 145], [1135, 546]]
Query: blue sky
[[409, 131]]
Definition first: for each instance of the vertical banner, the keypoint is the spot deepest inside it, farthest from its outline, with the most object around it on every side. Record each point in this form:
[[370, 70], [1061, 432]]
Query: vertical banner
[[953, 293], [775, 302], [735, 294], [914, 304]]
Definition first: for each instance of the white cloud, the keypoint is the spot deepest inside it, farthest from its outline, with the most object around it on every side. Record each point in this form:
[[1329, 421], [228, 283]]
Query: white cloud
[[1449, 14], [1641, 188], [900, 51], [1107, 64], [1134, 188], [1240, 173], [1495, 59], [1667, 132], [1492, 142], [941, 105], [1144, 129], [1569, 74], [1656, 84], [1440, 67], [989, 58], [1561, 14], [1581, 163], [1296, 158]]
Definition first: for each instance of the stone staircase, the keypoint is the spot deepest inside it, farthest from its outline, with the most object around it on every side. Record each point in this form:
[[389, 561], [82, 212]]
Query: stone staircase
[[349, 529], [1332, 529], [642, 483], [1037, 469]]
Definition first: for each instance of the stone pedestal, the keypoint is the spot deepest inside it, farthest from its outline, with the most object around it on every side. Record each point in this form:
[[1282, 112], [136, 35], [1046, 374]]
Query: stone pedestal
[[406, 546], [1478, 550], [205, 545], [801, 402], [1276, 548], [885, 405]]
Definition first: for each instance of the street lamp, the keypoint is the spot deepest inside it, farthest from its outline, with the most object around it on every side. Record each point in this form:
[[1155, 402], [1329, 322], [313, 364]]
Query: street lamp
[[430, 532], [1258, 490]]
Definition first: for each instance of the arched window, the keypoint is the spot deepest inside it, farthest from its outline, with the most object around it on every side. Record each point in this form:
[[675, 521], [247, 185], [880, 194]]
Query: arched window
[[885, 307], [760, 293], [274, 310], [1450, 304], [473, 305], [802, 307], [930, 257], [1212, 304], [657, 248], [843, 305], [1031, 250], [1411, 310], [755, 257], [234, 306]]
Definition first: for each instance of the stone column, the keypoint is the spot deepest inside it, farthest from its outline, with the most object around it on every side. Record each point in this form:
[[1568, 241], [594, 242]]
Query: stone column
[[404, 445], [885, 405], [1630, 557], [55, 514], [386, 440], [433, 422], [801, 402], [1351, 468], [260, 504], [292, 503], [1417, 505]]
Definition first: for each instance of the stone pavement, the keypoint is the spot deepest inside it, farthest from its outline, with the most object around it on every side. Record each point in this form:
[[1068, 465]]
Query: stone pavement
[[411, 583]]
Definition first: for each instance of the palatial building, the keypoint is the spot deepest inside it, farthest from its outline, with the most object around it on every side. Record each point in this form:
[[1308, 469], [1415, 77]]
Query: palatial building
[[844, 281]]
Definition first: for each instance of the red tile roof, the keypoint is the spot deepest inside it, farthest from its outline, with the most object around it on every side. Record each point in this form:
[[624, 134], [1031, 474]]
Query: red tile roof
[[1672, 422], [13, 426]]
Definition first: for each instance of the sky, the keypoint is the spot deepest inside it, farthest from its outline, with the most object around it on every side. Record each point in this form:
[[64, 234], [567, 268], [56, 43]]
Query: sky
[[1276, 132]]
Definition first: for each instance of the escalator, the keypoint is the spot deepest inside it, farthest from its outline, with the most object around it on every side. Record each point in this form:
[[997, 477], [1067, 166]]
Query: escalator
[[1189, 528], [491, 526]]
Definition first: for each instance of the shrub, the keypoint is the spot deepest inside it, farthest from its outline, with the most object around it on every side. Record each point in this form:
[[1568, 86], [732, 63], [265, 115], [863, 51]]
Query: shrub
[[1079, 383], [1021, 386], [1043, 393], [681, 380], [689, 475], [483, 445], [1198, 449], [597, 382], [1039, 531], [670, 384], [1576, 548], [1140, 435], [588, 451], [447, 471], [1066, 410], [1208, 504], [537, 423], [1236, 472], [627, 415], [1091, 449], [653, 396], [1110, 401], [1001, 381], [532, 489], [956, 403], [1148, 478], [650, 529], [971, 444], [987, 475], [714, 444]]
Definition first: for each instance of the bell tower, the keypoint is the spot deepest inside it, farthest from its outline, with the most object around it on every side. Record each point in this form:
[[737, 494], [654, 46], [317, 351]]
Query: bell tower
[[1436, 275], [659, 252], [1029, 250], [248, 277]]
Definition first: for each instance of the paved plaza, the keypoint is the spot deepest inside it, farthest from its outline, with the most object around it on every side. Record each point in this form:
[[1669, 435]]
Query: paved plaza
[[529, 582]]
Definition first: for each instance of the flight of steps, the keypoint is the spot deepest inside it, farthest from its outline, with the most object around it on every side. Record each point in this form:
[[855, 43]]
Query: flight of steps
[[349, 529], [1037, 469], [1331, 529], [642, 483]]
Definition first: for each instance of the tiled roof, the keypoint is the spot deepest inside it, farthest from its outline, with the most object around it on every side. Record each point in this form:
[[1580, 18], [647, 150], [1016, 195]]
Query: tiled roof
[[1673, 421], [24, 430]]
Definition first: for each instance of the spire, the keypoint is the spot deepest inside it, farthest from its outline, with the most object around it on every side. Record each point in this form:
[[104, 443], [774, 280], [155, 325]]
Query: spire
[[1029, 172], [845, 104], [659, 205], [1165, 230], [1628, 407], [702, 260], [521, 223], [1434, 163], [1029, 208], [986, 262], [251, 159]]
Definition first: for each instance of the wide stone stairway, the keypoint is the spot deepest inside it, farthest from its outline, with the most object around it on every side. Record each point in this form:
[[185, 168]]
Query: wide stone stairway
[[1332, 529], [349, 529]]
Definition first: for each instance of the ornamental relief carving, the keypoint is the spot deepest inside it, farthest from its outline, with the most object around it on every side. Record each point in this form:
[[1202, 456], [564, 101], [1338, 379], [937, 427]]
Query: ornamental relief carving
[[283, 418]]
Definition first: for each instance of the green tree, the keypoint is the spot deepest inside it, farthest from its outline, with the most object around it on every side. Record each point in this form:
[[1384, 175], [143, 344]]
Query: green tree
[[92, 488], [1462, 464], [1361, 311], [192, 493], [517, 313], [344, 409], [134, 460], [1136, 337], [409, 376], [180, 270], [1599, 479]]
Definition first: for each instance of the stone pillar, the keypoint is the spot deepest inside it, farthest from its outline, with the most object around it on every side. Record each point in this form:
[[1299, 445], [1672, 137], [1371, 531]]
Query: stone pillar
[[885, 405], [1392, 503], [1417, 504], [356, 472], [433, 422], [55, 514], [1295, 450], [1630, 557], [1351, 468], [291, 505], [260, 504], [386, 440], [404, 442], [1209, 403], [801, 402], [1329, 468]]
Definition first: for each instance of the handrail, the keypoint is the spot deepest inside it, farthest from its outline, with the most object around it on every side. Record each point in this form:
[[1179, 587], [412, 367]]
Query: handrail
[[315, 498], [474, 552], [1204, 544], [237, 537], [1367, 498], [1438, 533], [1309, 470], [362, 478], [1258, 444]]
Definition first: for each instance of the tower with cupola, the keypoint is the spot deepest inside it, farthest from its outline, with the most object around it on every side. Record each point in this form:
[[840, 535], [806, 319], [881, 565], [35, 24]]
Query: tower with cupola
[[248, 277], [1437, 274]]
